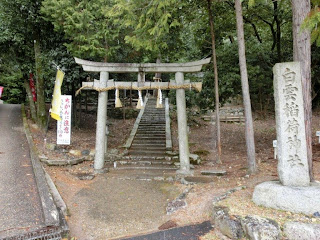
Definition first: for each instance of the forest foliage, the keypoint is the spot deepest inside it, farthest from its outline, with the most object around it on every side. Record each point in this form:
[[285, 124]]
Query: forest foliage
[[142, 31]]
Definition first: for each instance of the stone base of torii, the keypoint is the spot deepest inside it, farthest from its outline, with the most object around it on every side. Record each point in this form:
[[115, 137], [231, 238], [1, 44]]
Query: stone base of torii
[[180, 85]]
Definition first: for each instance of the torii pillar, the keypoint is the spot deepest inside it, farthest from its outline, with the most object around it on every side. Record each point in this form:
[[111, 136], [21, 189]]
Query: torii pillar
[[182, 127], [178, 68], [101, 123]]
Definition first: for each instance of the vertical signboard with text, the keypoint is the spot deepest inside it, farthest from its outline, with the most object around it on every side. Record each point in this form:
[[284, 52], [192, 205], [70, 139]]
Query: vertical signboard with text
[[64, 125]]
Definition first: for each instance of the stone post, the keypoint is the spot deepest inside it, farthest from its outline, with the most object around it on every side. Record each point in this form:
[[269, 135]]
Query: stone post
[[182, 127], [101, 123], [293, 167], [294, 192]]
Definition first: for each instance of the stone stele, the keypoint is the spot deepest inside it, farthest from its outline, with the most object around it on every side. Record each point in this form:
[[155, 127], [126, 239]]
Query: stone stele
[[293, 192], [291, 138]]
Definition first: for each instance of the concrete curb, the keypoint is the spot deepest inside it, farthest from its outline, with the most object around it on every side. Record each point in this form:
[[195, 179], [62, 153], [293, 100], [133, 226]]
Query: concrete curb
[[56, 195], [63, 162], [50, 211]]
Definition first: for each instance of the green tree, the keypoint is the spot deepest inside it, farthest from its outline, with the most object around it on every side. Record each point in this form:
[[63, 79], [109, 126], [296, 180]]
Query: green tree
[[85, 24], [24, 32], [149, 25], [312, 21]]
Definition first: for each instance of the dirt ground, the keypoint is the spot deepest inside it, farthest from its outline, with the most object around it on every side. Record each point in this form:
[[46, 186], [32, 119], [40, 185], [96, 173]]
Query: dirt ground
[[134, 206]]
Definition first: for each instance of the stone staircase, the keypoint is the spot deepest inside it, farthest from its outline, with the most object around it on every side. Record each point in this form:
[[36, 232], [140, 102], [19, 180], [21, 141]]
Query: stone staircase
[[148, 148]]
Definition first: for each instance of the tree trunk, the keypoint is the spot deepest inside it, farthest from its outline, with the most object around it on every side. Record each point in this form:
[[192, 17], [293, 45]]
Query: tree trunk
[[245, 90], [278, 29], [302, 54], [41, 105], [216, 81], [31, 102]]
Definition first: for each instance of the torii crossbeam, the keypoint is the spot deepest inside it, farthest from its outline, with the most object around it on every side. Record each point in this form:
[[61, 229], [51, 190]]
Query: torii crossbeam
[[141, 68]]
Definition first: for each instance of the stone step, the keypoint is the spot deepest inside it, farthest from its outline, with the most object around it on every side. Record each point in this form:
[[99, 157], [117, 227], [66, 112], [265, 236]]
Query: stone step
[[148, 147], [153, 120], [149, 143], [144, 152], [156, 124], [150, 116], [150, 135], [149, 139], [151, 131], [153, 123], [146, 158], [160, 144], [152, 126], [163, 168], [159, 128], [144, 163], [154, 113], [148, 153], [158, 120]]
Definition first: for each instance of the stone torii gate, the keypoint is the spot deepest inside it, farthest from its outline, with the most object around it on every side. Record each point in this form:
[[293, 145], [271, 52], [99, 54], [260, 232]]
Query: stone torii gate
[[179, 84]]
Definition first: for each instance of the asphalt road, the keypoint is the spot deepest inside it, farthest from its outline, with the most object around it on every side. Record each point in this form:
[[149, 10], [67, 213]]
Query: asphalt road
[[20, 206]]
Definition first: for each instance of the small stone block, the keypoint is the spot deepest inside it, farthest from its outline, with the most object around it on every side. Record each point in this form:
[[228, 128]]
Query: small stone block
[[43, 157], [89, 158], [229, 226], [214, 172], [299, 230], [85, 176], [266, 229], [51, 146], [75, 152], [85, 152], [174, 205]]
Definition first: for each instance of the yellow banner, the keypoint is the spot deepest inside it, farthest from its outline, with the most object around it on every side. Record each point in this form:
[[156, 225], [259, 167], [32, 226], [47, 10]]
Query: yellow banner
[[56, 99]]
